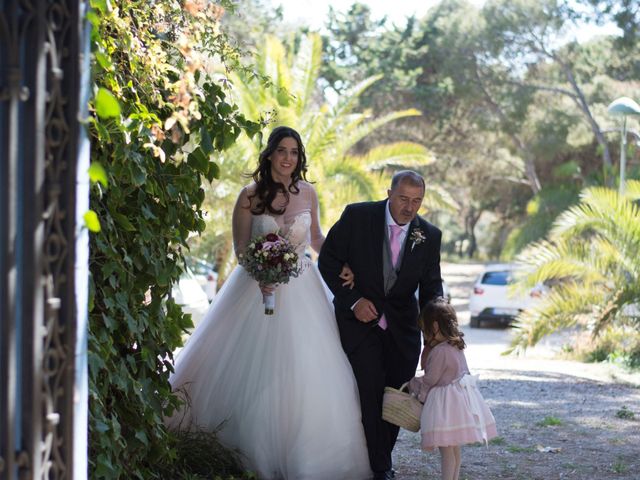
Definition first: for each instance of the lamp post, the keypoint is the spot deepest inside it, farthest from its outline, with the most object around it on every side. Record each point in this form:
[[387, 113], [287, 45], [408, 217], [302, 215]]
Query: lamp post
[[622, 107]]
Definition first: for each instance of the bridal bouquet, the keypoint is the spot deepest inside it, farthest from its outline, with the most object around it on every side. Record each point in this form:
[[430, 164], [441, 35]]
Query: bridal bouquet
[[270, 259]]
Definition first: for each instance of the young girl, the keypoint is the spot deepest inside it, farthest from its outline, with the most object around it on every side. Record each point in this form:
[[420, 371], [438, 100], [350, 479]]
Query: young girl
[[454, 411]]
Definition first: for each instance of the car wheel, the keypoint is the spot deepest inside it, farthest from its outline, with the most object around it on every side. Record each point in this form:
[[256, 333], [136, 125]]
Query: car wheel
[[475, 322]]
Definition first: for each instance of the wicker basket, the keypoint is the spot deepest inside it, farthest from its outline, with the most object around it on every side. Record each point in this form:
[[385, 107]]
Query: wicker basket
[[401, 408]]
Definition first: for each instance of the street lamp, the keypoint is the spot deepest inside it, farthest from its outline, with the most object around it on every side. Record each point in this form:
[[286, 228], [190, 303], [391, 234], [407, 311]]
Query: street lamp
[[622, 107]]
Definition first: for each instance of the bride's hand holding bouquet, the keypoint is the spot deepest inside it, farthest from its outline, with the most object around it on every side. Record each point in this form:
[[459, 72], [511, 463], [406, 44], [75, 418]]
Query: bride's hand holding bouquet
[[270, 260]]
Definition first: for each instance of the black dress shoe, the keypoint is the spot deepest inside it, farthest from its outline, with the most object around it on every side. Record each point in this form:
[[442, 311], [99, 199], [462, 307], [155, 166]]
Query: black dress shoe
[[388, 475]]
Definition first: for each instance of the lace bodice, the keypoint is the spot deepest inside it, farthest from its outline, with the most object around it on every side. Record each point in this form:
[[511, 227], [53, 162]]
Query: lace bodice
[[299, 223], [298, 232]]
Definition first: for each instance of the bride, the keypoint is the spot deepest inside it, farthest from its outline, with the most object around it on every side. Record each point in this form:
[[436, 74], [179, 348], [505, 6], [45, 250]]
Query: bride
[[278, 388]]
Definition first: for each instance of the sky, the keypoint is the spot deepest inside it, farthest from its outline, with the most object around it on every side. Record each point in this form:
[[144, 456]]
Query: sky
[[314, 13]]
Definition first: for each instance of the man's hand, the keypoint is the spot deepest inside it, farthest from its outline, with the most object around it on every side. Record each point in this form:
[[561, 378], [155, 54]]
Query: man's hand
[[365, 310]]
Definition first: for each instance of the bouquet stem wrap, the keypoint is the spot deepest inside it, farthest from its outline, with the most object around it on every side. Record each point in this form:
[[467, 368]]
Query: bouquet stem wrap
[[269, 300]]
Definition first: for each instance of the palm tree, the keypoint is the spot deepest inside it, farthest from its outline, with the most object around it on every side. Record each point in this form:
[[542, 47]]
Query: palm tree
[[592, 262], [330, 133]]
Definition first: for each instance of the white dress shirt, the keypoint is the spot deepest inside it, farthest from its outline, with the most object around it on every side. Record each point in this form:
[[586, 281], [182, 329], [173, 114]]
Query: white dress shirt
[[391, 221]]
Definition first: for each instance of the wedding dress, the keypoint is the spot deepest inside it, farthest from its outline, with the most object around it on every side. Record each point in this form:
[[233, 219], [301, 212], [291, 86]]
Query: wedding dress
[[279, 387]]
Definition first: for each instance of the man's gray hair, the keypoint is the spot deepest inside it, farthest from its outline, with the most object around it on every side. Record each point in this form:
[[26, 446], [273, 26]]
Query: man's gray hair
[[407, 176]]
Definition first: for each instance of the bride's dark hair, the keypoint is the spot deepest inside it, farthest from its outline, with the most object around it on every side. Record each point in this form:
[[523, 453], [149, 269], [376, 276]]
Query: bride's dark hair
[[266, 187]]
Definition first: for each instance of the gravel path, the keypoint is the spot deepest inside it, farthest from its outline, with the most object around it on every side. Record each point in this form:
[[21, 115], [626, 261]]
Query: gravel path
[[556, 419]]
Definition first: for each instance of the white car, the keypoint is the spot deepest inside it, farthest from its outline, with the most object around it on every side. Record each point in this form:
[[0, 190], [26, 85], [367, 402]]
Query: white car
[[190, 296], [446, 292], [205, 274], [491, 299]]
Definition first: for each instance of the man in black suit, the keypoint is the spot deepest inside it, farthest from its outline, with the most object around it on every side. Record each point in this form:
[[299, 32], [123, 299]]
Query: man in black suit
[[392, 252]]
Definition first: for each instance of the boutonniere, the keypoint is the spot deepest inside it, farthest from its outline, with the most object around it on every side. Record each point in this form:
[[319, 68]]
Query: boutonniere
[[417, 237]]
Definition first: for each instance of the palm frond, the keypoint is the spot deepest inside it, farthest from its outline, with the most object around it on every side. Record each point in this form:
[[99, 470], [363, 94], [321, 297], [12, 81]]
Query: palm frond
[[632, 190], [320, 136], [349, 99], [546, 261], [305, 70], [350, 138], [344, 170], [591, 261], [564, 307], [437, 198], [398, 154]]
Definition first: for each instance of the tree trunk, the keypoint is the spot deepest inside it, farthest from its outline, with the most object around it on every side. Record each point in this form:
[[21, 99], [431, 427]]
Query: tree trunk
[[470, 222], [225, 259], [530, 168], [595, 128]]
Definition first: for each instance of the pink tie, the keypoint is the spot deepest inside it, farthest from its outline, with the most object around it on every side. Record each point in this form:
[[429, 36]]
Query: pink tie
[[394, 242]]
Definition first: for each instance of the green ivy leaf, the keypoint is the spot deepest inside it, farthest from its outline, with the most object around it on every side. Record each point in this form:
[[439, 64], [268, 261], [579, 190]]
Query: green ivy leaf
[[91, 221], [103, 60], [123, 222], [93, 17], [97, 173], [138, 175], [199, 160], [213, 171], [206, 142], [142, 436], [100, 5], [107, 105]]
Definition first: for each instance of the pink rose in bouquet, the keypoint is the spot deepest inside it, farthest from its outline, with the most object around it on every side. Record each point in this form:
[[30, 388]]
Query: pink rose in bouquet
[[270, 259]]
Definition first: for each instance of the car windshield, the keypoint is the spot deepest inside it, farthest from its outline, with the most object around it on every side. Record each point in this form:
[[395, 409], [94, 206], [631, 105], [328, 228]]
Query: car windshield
[[496, 278]]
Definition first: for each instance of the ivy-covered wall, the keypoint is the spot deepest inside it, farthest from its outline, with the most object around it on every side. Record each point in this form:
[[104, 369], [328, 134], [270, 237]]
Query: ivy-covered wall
[[155, 120]]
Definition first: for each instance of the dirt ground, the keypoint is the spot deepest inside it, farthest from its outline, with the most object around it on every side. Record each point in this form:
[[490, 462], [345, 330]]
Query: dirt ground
[[556, 419]]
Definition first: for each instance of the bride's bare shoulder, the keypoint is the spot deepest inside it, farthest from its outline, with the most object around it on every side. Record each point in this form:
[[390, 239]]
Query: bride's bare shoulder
[[246, 194], [249, 189]]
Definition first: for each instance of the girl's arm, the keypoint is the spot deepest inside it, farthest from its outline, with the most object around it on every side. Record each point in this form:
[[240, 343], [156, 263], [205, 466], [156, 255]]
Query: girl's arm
[[433, 371]]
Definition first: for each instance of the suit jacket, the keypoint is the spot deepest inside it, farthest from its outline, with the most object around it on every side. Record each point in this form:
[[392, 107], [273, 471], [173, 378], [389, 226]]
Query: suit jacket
[[358, 239]]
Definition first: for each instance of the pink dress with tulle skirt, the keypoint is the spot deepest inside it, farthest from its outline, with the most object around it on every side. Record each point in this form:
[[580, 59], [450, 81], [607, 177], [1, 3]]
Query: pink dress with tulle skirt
[[454, 411]]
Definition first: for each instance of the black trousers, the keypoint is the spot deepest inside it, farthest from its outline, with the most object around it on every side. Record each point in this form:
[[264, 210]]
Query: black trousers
[[376, 363]]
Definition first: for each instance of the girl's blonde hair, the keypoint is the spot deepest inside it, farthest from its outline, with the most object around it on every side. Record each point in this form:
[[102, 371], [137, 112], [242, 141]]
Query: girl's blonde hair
[[438, 310]]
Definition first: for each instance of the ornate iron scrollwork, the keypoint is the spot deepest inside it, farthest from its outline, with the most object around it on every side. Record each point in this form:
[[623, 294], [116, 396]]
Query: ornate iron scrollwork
[[39, 90], [12, 34], [24, 465], [14, 88], [57, 351]]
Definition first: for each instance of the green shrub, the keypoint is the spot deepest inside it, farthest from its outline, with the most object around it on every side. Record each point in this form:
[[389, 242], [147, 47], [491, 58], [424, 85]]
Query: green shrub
[[154, 122]]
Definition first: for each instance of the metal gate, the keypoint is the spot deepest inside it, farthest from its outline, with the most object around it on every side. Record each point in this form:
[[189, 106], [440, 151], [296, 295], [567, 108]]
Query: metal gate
[[41, 329]]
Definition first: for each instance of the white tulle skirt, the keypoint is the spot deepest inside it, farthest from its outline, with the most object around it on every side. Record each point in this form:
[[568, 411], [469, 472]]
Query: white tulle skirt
[[278, 388]]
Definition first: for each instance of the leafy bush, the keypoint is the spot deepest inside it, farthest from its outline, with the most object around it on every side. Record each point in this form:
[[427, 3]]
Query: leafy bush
[[155, 121], [542, 211], [591, 259]]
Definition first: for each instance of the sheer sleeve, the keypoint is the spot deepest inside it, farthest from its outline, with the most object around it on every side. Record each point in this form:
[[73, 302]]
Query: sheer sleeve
[[317, 238], [241, 221], [434, 370]]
